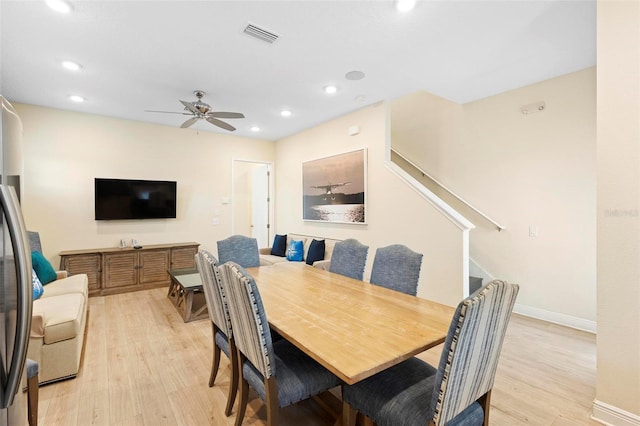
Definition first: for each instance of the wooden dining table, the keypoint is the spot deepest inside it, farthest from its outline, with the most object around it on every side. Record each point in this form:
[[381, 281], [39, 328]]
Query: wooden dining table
[[352, 328]]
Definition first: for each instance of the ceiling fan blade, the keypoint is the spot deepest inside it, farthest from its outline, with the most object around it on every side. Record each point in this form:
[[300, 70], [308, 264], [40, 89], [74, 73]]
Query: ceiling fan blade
[[189, 106], [225, 114], [168, 112], [189, 122], [220, 124]]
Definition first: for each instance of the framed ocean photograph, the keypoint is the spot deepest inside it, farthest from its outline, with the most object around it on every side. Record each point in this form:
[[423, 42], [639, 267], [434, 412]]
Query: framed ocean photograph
[[334, 188]]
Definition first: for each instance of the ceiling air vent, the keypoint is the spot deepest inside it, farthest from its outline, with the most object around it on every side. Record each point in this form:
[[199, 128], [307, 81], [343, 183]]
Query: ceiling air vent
[[260, 33]]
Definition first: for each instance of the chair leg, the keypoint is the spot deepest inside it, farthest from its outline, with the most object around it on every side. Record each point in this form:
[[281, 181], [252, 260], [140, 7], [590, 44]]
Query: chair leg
[[216, 357], [233, 386], [348, 414], [244, 391], [485, 403], [32, 400], [273, 408]]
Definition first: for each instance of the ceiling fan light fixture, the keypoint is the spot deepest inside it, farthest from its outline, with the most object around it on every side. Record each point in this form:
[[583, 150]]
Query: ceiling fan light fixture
[[60, 6], [71, 66]]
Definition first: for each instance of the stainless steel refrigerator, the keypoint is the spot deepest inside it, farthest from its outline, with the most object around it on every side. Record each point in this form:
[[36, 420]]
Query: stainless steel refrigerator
[[16, 296]]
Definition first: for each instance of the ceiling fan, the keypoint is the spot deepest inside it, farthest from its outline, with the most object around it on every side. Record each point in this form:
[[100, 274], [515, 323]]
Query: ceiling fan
[[201, 110]]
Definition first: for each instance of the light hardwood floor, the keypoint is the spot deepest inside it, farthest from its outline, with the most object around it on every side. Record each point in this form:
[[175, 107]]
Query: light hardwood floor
[[143, 366]]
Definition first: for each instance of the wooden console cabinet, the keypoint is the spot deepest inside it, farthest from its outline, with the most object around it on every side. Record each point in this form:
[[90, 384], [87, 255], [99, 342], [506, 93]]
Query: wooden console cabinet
[[119, 270]]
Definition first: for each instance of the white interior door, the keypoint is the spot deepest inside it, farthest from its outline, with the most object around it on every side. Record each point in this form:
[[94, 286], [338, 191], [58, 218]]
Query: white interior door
[[260, 204]]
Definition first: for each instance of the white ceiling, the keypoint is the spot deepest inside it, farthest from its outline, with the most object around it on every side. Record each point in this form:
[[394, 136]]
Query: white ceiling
[[145, 55]]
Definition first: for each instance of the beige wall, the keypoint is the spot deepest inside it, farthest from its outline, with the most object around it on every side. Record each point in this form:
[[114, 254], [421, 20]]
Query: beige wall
[[395, 213], [521, 170], [64, 152], [618, 376]]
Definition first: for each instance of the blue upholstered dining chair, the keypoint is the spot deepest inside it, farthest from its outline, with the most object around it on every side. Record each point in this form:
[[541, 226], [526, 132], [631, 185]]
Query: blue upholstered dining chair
[[222, 332], [459, 391], [348, 258], [239, 249], [280, 373], [397, 267]]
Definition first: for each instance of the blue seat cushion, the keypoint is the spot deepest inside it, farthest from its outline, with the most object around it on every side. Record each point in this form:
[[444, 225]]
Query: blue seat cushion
[[401, 395], [222, 342], [298, 376]]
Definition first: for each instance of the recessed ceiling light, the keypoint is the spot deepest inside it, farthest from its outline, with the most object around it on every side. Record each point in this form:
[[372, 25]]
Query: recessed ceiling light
[[354, 75], [72, 66], [61, 6], [330, 89], [255, 129], [285, 113], [76, 98], [405, 5]]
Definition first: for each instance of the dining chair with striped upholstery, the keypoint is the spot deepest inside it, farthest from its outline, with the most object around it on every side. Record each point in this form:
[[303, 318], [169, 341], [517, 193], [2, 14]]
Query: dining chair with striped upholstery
[[397, 267], [280, 373], [458, 392], [240, 249], [222, 332], [349, 258]]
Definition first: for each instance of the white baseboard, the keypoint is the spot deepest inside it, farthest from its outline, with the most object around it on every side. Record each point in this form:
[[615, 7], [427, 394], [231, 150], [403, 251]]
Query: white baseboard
[[613, 416], [556, 318]]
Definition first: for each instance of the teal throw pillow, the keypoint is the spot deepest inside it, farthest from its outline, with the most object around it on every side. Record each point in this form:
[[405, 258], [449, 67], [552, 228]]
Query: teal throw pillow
[[295, 251], [37, 285], [43, 268]]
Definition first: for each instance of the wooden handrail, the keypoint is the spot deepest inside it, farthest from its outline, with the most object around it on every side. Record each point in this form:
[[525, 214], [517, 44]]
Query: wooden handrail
[[441, 185]]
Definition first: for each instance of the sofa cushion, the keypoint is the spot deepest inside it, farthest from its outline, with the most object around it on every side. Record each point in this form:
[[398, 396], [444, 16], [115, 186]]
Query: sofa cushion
[[73, 284], [279, 247], [61, 317], [315, 252], [295, 251], [43, 268]]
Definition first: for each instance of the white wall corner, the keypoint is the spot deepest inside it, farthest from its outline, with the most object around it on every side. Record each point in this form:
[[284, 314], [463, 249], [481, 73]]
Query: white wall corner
[[610, 415], [556, 318]]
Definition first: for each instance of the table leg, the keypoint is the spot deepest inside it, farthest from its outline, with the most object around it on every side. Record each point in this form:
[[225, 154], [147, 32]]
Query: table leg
[[188, 306]]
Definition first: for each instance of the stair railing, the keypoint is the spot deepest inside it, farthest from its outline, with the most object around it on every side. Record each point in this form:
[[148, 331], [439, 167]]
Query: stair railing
[[441, 185]]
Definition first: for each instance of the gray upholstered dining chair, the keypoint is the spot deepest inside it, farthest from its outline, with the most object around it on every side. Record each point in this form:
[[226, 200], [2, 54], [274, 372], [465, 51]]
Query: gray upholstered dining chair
[[280, 373], [349, 258], [222, 332], [459, 391], [239, 249], [397, 267]]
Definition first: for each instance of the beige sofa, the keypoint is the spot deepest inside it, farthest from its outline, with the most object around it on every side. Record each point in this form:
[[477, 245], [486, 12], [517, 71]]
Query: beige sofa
[[58, 323], [266, 258]]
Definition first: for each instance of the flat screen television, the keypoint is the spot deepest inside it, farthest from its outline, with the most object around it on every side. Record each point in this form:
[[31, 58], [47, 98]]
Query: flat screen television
[[121, 199]]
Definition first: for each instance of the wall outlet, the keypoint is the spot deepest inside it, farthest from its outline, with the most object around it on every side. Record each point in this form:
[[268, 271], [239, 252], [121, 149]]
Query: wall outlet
[[215, 221], [533, 231]]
